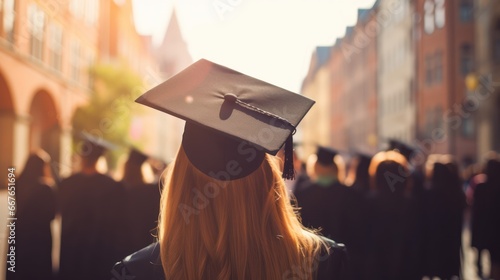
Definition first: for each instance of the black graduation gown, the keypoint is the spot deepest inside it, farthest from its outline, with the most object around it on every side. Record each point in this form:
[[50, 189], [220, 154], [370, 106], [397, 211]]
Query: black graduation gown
[[444, 218], [143, 207], [391, 240], [486, 219], [36, 207], [92, 210], [480, 215], [326, 207], [146, 265]]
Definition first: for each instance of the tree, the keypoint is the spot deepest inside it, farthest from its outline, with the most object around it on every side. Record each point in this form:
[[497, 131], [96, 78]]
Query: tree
[[108, 112]]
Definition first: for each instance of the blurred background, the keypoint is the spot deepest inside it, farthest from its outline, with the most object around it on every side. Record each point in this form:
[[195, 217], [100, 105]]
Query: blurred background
[[426, 72]]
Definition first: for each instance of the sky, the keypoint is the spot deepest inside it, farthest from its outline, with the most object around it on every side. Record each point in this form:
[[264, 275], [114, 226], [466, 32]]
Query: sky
[[271, 40]]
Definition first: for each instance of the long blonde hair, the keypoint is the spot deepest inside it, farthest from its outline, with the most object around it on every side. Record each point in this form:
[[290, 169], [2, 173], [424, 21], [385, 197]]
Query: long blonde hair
[[240, 229]]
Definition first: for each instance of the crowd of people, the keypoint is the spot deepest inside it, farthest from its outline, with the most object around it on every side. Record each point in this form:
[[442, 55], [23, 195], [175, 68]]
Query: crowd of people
[[399, 220], [102, 219]]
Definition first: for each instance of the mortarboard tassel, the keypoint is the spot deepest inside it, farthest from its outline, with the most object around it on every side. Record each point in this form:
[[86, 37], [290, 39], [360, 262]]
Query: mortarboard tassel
[[288, 169]]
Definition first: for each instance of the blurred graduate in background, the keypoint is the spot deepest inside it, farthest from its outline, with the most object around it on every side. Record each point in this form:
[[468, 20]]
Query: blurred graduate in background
[[444, 212], [92, 207], [391, 220], [142, 197], [486, 215], [36, 208]]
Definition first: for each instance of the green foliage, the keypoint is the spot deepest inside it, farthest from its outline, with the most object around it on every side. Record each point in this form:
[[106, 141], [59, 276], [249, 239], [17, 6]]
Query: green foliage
[[108, 112]]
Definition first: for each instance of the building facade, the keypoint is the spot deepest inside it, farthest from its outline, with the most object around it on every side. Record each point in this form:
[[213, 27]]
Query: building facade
[[343, 80], [314, 128], [486, 78], [445, 56], [338, 101], [360, 92], [396, 71], [45, 49]]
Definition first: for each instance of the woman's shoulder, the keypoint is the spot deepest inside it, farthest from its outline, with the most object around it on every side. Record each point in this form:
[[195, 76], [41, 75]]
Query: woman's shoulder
[[146, 264], [332, 261], [143, 264]]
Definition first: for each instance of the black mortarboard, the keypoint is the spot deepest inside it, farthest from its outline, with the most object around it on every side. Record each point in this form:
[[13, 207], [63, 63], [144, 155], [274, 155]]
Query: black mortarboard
[[232, 119], [136, 156], [363, 158], [94, 146], [325, 155], [406, 150]]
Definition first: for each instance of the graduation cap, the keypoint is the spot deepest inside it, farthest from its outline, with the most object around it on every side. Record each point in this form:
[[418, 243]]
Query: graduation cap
[[136, 156], [406, 150], [93, 146], [232, 119], [325, 155], [363, 158]]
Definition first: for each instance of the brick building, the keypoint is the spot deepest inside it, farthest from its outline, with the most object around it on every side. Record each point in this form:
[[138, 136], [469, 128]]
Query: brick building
[[343, 81], [45, 47], [46, 50], [445, 56]]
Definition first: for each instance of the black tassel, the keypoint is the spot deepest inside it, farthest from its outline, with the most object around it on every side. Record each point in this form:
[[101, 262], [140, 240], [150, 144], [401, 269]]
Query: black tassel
[[288, 170]]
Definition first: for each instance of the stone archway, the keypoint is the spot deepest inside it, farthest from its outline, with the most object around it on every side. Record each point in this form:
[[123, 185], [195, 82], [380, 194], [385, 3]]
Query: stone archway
[[7, 122], [44, 131]]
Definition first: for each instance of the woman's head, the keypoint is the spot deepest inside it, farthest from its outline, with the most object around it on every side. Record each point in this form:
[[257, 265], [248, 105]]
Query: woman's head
[[326, 163], [133, 169], [358, 176], [213, 229], [492, 169], [36, 167], [442, 172], [389, 173]]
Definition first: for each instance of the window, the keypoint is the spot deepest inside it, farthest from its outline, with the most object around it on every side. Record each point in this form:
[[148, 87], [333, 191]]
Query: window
[[429, 116], [429, 16], [91, 12], [36, 18], [55, 46], [440, 14], [77, 8], [399, 10], [429, 66], [438, 64], [466, 10], [496, 42], [466, 59], [411, 94], [467, 125], [75, 61], [434, 68], [438, 123], [435, 15], [9, 15]]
